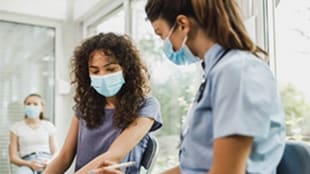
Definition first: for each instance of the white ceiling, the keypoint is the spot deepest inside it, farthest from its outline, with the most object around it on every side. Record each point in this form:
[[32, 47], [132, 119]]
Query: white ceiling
[[55, 9]]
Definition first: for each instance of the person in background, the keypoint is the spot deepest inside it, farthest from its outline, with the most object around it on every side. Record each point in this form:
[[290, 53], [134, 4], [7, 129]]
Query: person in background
[[114, 112], [32, 140], [236, 125]]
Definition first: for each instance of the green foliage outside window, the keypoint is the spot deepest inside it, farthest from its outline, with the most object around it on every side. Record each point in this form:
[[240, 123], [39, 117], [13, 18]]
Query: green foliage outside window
[[176, 94], [297, 111]]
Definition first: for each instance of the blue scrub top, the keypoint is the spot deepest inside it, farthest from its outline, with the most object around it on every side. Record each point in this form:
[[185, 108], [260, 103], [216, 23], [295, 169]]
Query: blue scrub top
[[240, 98]]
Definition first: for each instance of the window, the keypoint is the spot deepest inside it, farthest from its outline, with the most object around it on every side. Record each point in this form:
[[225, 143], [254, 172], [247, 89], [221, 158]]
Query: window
[[27, 66], [114, 21], [111, 17], [292, 31]]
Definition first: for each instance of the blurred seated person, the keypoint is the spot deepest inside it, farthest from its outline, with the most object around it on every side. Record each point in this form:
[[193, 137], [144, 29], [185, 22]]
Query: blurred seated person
[[32, 140]]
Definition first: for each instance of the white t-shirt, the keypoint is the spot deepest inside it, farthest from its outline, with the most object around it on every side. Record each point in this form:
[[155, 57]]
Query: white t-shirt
[[33, 139]]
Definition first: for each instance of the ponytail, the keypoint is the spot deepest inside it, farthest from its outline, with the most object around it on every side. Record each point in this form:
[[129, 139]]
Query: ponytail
[[220, 19], [222, 22]]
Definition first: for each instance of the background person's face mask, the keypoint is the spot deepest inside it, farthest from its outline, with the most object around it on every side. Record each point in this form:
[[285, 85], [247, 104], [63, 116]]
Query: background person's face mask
[[108, 85], [32, 111], [183, 56]]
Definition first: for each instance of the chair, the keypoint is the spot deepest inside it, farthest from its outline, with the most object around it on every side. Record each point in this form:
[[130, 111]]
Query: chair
[[150, 154], [296, 158], [9, 162], [9, 166]]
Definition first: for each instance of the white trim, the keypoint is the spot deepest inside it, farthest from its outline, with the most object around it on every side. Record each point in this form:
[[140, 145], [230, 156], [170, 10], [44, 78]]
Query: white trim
[[27, 19], [128, 17], [269, 33], [98, 13]]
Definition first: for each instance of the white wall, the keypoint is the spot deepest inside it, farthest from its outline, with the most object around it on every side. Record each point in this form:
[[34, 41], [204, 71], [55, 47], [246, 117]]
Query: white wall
[[84, 7], [55, 9]]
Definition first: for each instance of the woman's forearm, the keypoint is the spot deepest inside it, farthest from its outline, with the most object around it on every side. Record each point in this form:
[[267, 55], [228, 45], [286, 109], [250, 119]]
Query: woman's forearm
[[64, 159], [58, 166], [92, 164], [19, 161], [174, 170]]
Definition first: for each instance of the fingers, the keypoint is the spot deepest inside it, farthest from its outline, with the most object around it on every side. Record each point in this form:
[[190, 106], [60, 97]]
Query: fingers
[[36, 165], [105, 163], [104, 170]]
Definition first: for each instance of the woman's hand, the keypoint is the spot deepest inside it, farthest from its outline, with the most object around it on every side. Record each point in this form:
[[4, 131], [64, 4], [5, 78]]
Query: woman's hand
[[44, 163], [36, 166], [103, 170]]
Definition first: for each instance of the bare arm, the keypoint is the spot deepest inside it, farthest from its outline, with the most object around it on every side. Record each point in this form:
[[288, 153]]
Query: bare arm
[[231, 154], [63, 161], [123, 144], [174, 170], [13, 152], [53, 144], [53, 149]]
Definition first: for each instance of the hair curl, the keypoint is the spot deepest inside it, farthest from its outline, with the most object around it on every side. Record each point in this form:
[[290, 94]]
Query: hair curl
[[90, 104]]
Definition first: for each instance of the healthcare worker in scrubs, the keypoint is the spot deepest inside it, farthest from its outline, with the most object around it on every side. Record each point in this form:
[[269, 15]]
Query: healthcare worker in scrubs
[[236, 125]]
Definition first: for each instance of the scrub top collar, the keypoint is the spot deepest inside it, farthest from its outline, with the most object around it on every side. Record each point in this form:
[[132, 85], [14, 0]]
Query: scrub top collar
[[211, 57]]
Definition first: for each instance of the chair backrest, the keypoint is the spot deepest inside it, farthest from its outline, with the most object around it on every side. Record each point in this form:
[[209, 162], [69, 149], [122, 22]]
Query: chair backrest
[[9, 162], [9, 166], [150, 154], [296, 158]]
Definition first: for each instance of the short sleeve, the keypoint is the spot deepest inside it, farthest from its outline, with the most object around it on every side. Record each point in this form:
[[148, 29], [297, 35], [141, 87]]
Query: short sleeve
[[14, 128], [77, 112], [51, 129], [243, 93], [151, 109]]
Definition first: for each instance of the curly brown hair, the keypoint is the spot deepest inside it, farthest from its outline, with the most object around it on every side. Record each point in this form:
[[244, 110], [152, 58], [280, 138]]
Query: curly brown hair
[[89, 104]]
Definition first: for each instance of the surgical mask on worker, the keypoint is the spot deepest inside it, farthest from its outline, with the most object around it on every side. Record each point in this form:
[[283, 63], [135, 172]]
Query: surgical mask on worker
[[108, 85], [183, 56]]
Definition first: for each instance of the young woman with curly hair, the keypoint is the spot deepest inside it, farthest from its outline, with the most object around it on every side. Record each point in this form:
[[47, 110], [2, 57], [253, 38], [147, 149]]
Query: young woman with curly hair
[[113, 110]]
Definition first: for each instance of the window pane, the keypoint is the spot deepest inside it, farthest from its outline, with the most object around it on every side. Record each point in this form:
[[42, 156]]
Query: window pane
[[113, 22], [293, 60]]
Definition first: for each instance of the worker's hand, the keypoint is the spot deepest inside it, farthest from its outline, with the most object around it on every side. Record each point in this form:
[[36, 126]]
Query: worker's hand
[[103, 170]]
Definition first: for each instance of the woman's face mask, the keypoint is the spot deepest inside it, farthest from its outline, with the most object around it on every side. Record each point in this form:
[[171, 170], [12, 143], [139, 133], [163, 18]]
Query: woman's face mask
[[108, 85], [183, 56], [32, 111]]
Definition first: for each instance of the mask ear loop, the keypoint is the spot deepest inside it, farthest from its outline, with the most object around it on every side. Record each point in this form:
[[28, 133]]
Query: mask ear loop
[[184, 41], [171, 30]]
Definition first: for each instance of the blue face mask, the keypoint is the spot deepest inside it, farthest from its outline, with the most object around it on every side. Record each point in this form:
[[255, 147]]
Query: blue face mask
[[32, 111], [108, 85], [183, 56]]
